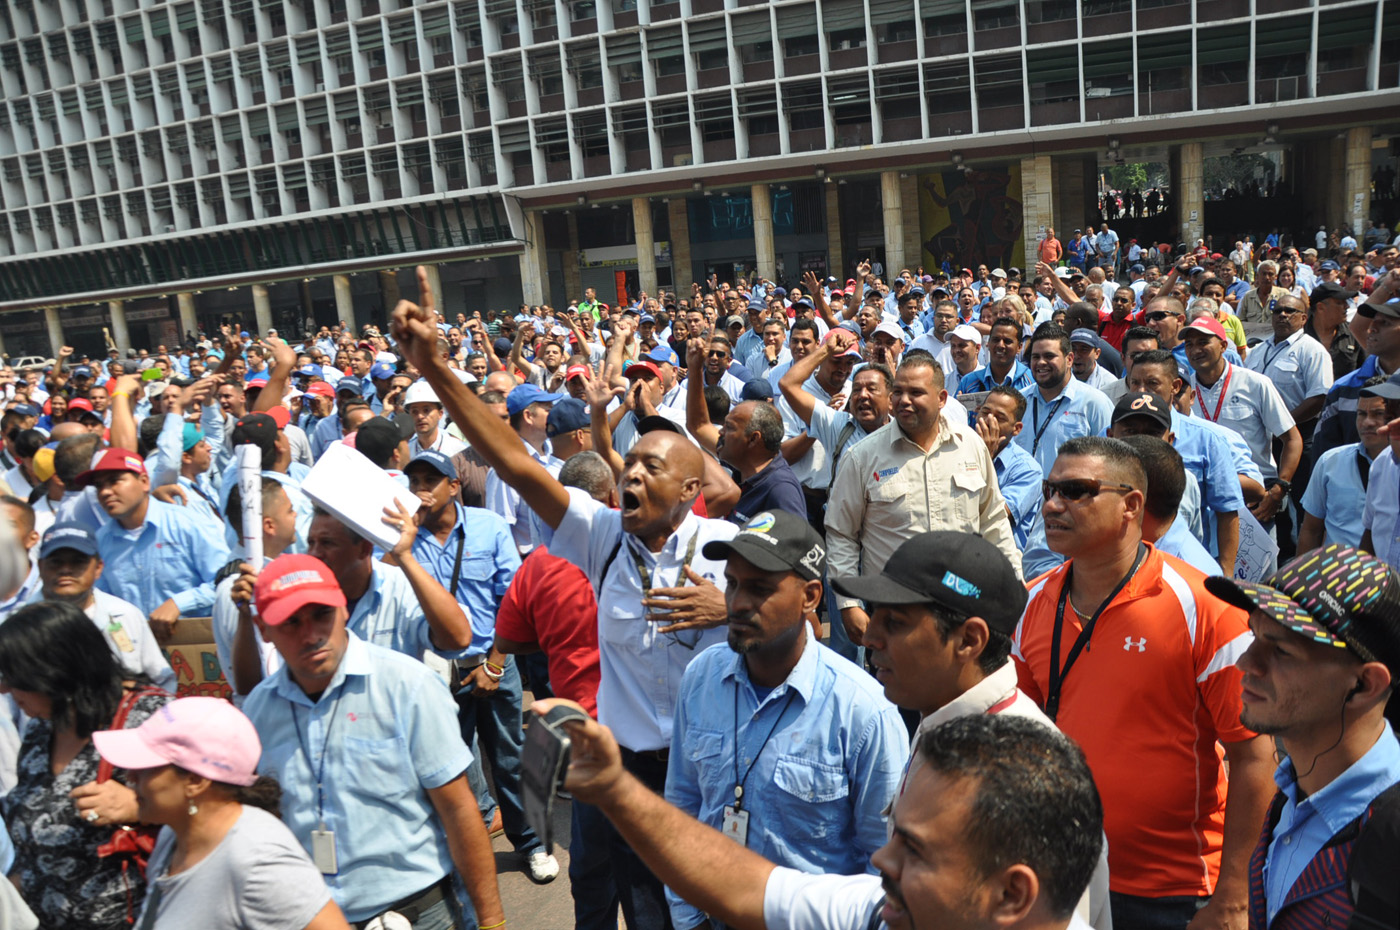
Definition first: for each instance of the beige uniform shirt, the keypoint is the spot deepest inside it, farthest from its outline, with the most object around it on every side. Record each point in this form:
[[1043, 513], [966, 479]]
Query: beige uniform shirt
[[1254, 310], [888, 490]]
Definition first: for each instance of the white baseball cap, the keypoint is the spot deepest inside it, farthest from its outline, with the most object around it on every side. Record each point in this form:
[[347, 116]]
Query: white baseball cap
[[967, 332]]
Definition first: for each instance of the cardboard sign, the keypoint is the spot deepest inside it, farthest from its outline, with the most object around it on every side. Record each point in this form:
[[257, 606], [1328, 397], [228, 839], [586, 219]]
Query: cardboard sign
[[195, 660]]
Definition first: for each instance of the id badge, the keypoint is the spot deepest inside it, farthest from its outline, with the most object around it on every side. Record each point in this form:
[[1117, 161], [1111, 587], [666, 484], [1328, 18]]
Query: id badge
[[736, 825], [323, 851], [119, 637]]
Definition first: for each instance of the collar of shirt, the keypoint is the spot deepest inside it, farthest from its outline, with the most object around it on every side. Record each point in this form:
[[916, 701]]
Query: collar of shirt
[[802, 678], [355, 662], [25, 594], [947, 434], [1346, 797], [987, 693]]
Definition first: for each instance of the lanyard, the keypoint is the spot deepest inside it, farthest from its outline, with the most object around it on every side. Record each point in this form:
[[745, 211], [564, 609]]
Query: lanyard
[[457, 562], [1042, 426], [1363, 468], [1270, 356], [739, 782], [194, 486], [1220, 401], [645, 573], [320, 769], [1058, 673]]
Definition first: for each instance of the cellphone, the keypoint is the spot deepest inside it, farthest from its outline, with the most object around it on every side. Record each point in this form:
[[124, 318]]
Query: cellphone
[[544, 762]]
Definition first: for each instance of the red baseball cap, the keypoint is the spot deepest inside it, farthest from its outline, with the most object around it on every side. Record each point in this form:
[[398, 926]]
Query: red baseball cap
[[111, 460], [280, 415], [576, 371], [320, 389], [641, 369], [290, 582], [80, 403], [1208, 324]]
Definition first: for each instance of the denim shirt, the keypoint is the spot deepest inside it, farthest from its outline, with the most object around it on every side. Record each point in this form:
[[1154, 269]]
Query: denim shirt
[[817, 789], [489, 563], [382, 736], [1305, 826]]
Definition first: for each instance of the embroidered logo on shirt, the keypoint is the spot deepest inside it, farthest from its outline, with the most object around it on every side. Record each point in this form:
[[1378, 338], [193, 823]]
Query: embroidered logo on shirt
[[1129, 644], [879, 475]]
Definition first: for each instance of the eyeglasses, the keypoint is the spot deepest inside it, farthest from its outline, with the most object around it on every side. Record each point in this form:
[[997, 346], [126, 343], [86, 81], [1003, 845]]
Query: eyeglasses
[[1158, 316], [1077, 489]]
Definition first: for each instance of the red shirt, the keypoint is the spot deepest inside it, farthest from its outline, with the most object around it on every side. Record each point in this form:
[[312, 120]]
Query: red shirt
[[1113, 331], [550, 602]]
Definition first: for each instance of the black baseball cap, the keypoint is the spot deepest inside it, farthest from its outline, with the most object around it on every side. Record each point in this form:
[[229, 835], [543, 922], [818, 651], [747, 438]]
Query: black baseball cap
[[1389, 309], [1328, 291], [960, 572], [259, 429], [1143, 404], [377, 438], [775, 541]]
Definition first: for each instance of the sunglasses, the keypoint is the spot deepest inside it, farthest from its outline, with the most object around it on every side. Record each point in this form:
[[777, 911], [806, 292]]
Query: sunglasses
[[1158, 316], [1288, 310], [1077, 489], [718, 354]]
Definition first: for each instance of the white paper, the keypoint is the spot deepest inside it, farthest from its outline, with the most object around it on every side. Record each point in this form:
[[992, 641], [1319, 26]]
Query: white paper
[[1258, 553], [250, 490], [350, 486]]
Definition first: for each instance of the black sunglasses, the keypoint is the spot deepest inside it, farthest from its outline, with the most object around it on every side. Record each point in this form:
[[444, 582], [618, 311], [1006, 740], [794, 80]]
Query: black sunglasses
[[1158, 316], [1077, 489]]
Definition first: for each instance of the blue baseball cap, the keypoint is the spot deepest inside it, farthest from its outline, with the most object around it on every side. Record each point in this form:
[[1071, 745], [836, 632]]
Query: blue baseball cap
[[779, 292], [646, 318], [566, 416], [309, 371], [75, 536], [663, 354], [434, 460], [260, 379], [349, 383], [381, 371], [524, 395], [802, 302], [82, 371], [192, 437], [1329, 265], [28, 410], [757, 389]]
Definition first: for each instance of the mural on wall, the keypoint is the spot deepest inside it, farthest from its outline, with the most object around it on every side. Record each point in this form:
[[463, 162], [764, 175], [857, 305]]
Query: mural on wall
[[972, 217]]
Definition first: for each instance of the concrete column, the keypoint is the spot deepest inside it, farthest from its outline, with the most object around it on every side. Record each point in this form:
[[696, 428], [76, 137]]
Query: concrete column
[[55, 329], [836, 258], [435, 282], [189, 323], [116, 309], [646, 245], [763, 231], [1188, 185], [534, 272], [2, 342], [573, 282], [681, 271], [1073, 193], [388, 294], [262, 309], [1358, 180], [1037, 200], [344, 302], [913, 229], [893, 206]]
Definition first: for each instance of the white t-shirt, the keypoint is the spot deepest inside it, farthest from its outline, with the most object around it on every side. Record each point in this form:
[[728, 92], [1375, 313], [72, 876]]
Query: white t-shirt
[[257, 878]]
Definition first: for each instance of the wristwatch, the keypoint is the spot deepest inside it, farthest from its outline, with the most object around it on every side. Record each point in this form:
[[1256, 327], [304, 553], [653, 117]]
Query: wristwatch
[[1279, 483]]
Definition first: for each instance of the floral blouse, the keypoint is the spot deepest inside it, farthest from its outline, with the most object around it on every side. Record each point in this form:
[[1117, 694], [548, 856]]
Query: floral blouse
[[65, 883]]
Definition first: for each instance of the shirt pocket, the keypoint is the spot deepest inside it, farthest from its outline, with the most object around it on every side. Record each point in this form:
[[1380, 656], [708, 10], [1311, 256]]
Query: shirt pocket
[[814, 795], [1073, 423], [887, 503], [703, 745], [478, 566], [966, 498], [380, 768], [1236, 411]]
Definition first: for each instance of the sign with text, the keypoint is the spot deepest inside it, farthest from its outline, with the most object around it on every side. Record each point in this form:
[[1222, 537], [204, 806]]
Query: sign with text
[[195, 660]]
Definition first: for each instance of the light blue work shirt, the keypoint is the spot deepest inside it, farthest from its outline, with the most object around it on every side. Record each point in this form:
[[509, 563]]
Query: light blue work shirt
[[748, 340], [822, 757], [171, 555], [1019, 377], [383, 735], [1019, 477], [489, 563], [1079, 410], [302, 506], [1336, 494], [1304, 827], [28, 591], [7, 850], [1185, 368], [1179, 541], [82, 507], [390, 615], [1215, 456]]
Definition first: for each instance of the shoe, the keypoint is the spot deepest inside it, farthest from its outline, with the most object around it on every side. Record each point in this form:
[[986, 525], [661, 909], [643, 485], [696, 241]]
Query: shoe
[[496, 827], [544, 868]]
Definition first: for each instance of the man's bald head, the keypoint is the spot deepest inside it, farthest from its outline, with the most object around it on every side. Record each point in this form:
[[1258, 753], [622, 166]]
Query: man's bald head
[[63, 431], [681, 455], [502, 381]]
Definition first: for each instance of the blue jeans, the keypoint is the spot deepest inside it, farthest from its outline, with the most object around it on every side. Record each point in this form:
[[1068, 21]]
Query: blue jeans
[[641, 894], [476, 780], [1131, 912], [591, 871], [496, 722], [453, 912]]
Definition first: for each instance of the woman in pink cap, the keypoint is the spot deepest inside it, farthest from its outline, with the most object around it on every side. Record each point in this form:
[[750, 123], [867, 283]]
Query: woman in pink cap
[[224, 861]]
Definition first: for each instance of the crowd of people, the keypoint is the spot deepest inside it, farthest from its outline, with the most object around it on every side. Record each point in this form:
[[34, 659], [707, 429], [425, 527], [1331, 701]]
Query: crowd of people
[[1000, 599]]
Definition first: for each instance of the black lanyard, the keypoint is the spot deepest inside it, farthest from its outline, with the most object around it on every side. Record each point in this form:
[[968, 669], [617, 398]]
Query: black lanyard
[[194, 486], [1042, 426], [1058, 674], [1363, 468], [739, 782], [320, 768], [457, 563], [645, 574]]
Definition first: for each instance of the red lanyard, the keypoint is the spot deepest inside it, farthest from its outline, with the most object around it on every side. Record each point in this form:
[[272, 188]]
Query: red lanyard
[[1220, 402]]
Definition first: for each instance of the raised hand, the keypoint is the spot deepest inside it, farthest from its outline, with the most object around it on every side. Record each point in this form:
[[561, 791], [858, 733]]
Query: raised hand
[[414, 326]]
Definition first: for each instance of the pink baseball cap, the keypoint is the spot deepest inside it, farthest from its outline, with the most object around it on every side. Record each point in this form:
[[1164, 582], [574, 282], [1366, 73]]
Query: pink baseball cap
[[1208, 324], [204, 735], [290, 582]]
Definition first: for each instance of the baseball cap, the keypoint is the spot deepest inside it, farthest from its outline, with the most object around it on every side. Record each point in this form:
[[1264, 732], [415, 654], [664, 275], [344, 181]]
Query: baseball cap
[[290, 582], [420, 392], [756, 389], [204, 735], [349, 383], [82, 371], [80, 403], [320, 389], [1329, 265], [68, 535], [889, 329], [966, 332], [1391, 310], [42, 462], [431, 458], [109, 460], [779, 292], [802, 303], [376, 439], [1209, 325], [641, 370], [647, 318], [1195, 270], [381, 371], [1138, 269], [309, 371], [566, 416], [998, 272], [775, 541], [733, 321], [1084, 336], [524, 395], [27, 410], [1328, 291], [576, 371], [663, 355], [258, 429], [957, 571], [191, 437], [1143, 404], [657, 422], [1335, 595], [1388, 389]]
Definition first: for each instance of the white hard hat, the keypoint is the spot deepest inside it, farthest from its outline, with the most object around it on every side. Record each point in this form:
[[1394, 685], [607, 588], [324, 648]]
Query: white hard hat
[[420, 392]]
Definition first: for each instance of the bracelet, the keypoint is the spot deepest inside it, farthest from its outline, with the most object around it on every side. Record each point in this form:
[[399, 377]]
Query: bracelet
[[493, 926], [119, 394], [499, 669], [492, 675]]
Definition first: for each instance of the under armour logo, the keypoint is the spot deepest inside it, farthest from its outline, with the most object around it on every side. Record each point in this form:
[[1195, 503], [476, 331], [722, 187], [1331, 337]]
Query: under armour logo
[[1129, 643]]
